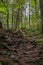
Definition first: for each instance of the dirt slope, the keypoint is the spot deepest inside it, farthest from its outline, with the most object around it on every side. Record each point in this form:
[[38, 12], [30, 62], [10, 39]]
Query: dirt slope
[[15, 49]]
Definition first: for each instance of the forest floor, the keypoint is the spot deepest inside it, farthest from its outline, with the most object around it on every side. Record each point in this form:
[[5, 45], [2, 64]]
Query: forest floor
[[17, 49]]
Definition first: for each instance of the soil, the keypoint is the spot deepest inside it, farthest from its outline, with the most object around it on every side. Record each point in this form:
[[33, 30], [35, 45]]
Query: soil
[[16, 49]]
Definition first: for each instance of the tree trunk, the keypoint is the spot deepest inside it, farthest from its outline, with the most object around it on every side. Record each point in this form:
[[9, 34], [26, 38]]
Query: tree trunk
[[29, 14], [17, 20], [0, 25], [7, 19], [41, 10], [12, 18]]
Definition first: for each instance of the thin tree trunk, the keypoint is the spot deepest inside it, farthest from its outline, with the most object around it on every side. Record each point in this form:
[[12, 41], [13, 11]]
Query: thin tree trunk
[[41, 10], [21, 18], [7, 19], [12, 18], [29, 13], [17, 20]]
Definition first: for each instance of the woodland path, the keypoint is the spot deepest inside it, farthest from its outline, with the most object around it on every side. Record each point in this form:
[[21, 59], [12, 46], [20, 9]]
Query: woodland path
[[15, 49]]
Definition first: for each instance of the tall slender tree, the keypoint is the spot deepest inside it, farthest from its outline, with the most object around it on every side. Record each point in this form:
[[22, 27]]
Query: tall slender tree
[[41, 10]]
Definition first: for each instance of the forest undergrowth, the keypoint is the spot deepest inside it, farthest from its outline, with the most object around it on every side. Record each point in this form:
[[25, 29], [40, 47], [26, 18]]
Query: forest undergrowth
[[17, 49]]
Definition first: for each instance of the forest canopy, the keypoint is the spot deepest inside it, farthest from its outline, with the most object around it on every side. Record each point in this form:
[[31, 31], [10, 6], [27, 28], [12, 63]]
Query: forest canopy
[[21, 14]]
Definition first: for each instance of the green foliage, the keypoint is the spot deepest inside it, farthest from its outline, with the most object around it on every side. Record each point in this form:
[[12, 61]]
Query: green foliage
[[32, 3], [19, 3], [3, 10], [5, 6]]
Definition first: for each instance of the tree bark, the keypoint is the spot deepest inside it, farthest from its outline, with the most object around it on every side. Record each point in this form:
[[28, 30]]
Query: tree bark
[[0, 25], [41, 10], [7, 19]]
